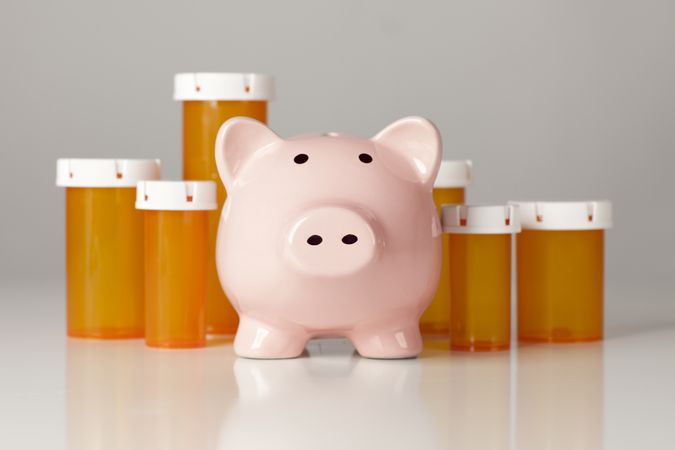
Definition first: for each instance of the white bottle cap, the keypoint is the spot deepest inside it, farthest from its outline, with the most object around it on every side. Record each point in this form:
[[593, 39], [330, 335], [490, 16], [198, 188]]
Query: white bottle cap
[[223, 86], [76, 172], [454, 174], [591, 215], [479, 219], [176, 195]]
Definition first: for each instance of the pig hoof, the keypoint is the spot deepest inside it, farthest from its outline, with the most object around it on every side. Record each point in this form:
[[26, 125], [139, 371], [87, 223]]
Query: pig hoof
[[257, 340], [390, 344]]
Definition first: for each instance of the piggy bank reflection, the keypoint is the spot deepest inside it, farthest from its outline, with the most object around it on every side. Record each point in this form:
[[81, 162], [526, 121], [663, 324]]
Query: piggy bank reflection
[[329, 400], [329, 235]]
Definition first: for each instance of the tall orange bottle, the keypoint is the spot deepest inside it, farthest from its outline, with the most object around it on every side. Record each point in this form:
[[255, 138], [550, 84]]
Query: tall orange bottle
[[104, 246], [209, 99], [176, 248], [561, 270], [449, 188], [480, 275]]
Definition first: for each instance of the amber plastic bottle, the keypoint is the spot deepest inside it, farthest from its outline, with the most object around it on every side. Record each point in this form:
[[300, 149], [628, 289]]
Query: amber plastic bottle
[[104, 246], [449, 188], [561, 270], [210, 99], [480, 275], [176, 256]]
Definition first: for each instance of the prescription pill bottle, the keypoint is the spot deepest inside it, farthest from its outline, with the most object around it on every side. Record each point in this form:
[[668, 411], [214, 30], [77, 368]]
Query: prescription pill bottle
[[560, 257], [449, 187], [104, 245], [176, 217], [209, 99], [480, 275]]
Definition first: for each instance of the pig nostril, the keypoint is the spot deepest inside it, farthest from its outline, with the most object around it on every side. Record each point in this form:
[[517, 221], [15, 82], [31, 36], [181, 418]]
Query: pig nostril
[[314, 239], [349, 239]]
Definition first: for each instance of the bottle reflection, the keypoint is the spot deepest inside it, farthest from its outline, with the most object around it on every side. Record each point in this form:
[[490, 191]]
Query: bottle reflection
[[480, 400], [479, 394], [187, 394], [330, 399], [122, 395], [103, 388], [560, 397]]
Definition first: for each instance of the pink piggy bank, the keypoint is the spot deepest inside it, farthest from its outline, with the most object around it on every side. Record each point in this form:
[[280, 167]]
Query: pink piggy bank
[[329, 235]]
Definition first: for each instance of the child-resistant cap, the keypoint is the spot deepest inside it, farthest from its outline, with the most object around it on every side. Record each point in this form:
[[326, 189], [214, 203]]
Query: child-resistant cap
[[77, 172], [590, 215], [454, 174], [223, 86], [176, 195], [479, 219]]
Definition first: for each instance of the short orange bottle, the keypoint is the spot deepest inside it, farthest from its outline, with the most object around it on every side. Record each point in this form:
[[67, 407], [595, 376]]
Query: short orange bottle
[[176, 258], [209, 99], [104, 246], [480, 275], [560, 256], [449, 188]]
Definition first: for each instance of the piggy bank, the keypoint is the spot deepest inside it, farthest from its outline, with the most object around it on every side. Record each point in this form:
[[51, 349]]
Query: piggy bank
[[328, 235]]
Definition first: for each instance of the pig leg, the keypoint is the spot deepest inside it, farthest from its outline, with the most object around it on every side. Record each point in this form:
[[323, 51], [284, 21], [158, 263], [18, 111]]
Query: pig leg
[[388, 340], [256, 339]]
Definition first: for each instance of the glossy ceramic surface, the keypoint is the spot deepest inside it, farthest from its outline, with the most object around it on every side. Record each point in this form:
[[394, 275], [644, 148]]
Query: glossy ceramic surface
[[329, 236]]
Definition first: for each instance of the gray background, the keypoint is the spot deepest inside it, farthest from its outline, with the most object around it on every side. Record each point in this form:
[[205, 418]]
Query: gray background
[[568, 99]]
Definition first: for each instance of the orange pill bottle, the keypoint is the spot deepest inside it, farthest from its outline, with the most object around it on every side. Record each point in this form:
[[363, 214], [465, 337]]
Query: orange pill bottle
[[176, 215], [209, 99], [480, 275], [104, 245], [449, 188], [560, 257]]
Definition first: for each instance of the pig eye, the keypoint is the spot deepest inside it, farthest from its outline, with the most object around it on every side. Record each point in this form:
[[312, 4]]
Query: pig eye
[[365, 158], [301, 158]]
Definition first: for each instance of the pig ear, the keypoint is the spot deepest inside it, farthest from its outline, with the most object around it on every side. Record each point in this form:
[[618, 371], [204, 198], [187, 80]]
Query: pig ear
[[411, 147], [238, 139]]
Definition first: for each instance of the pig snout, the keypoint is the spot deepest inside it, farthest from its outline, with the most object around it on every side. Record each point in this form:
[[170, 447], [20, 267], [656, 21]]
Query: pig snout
[[331, 241]]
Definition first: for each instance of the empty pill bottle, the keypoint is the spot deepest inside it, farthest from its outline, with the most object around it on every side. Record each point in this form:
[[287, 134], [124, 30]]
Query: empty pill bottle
[[480, 275], [176, 215], [449, 188], [560, 270], [210, 99], [104, 246]]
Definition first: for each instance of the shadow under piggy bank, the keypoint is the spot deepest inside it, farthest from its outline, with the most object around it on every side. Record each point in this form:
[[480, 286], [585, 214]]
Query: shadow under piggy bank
[[332, 400]]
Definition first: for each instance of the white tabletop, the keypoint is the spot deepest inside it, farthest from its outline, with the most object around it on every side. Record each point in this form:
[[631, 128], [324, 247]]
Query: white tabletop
[[88, 395]]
